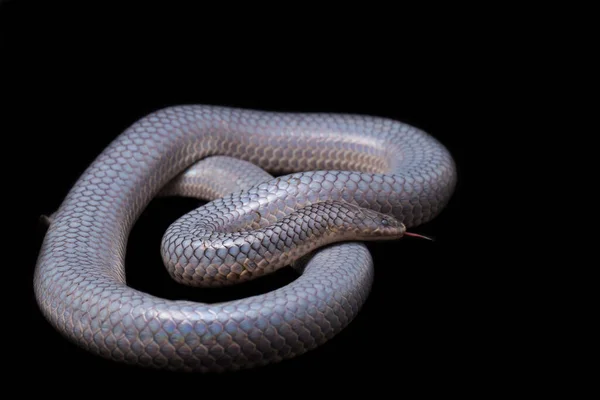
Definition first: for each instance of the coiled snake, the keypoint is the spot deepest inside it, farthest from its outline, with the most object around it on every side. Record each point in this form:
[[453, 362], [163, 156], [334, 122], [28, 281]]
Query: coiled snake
[[341, 179]]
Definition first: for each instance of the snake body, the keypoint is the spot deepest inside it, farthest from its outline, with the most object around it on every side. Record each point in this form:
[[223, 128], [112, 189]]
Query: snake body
[[341, 179]]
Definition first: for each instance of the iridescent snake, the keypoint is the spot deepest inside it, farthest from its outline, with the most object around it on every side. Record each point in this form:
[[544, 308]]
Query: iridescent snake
[[341, 179]]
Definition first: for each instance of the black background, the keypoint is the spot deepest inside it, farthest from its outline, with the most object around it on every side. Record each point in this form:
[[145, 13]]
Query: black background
[[78, 76]]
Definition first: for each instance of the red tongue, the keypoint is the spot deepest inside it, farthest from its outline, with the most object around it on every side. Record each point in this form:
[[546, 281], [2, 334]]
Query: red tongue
[[418, 236]]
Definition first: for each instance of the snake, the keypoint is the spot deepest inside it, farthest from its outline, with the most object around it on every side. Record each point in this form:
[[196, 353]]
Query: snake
[[282, 189]]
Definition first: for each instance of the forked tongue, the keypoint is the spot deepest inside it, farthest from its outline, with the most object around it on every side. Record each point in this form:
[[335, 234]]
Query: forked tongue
[[418, 236]]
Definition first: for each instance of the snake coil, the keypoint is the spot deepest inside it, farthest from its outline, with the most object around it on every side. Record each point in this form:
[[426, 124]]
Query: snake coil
[[341, 179]]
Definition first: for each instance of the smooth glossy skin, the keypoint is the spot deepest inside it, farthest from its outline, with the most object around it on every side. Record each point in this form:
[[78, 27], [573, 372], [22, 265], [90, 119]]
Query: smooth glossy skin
[[369, 162], [206, 255]]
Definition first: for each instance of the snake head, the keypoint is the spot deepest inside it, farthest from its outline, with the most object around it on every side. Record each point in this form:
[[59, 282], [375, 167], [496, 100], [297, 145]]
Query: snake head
[[373, 225]]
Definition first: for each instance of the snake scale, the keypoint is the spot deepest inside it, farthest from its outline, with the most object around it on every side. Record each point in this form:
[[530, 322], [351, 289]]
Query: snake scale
[[337, 179]]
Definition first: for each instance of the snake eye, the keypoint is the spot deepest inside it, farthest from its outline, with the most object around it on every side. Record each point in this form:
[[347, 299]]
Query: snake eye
[[384, 222]]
